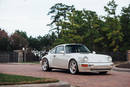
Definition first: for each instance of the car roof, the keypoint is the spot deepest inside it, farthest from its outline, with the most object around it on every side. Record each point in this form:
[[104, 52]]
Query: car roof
[[70, 44]]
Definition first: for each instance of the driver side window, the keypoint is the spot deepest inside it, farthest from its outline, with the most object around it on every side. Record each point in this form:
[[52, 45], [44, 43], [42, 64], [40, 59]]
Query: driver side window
[[59, 49]]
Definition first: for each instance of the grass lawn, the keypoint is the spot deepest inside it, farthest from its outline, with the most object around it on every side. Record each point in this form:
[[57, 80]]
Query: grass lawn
[[7, 79]]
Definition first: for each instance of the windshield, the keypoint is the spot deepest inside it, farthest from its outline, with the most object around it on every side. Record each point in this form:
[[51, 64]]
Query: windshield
[[76, 49]]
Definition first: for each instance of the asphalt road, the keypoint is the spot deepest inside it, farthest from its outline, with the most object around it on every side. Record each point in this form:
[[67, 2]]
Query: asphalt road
[[112, 79]]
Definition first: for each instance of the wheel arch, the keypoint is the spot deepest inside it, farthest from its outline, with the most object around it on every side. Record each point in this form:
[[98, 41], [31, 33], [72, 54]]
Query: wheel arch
[[48, 66], [46, 59], [43, 59]]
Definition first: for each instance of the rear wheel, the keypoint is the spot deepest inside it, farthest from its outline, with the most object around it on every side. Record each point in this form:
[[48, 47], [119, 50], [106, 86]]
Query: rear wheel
[[45, 65], [73, 67]]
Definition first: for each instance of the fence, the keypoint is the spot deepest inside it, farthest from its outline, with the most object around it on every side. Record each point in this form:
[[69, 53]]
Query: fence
[[31, 57], [14, 57], [8, 57]]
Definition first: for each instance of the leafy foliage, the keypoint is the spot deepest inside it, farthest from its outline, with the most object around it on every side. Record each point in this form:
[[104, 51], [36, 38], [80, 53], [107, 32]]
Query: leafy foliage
[[68, 25], [59, 12], [4, 41], [113, 33], [83, 26], [125, 25], [17, 41]]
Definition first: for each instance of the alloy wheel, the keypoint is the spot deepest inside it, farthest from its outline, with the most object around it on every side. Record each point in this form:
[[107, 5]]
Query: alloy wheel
[[73, 67], [45, 65]]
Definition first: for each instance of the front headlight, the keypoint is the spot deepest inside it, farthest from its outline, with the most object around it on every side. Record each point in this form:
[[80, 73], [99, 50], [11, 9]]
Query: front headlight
[[109, 58], [85, 59]]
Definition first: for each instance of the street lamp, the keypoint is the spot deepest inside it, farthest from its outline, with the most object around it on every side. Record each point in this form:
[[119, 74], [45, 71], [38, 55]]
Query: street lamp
[[24, 54], [23, 49]]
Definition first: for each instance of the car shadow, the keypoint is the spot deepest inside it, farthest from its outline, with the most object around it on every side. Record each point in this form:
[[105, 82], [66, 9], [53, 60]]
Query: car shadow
[[80, 73]]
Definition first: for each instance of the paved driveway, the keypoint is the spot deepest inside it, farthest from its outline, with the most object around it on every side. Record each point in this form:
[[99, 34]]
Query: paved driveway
[[113, 79]]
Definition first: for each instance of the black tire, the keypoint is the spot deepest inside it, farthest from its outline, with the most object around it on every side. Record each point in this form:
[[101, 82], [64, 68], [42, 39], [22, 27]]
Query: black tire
[[45, 65], [73, 67], [103, 73]]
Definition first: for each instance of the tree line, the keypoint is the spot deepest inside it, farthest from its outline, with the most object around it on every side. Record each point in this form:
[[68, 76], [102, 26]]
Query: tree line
[[109, 33], [19, 40]]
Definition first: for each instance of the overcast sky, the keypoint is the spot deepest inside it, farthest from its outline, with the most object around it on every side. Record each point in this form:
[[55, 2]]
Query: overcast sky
[[31, 15]]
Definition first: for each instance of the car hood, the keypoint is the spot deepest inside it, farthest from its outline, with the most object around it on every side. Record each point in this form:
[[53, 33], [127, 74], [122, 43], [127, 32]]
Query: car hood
[[92, 57]]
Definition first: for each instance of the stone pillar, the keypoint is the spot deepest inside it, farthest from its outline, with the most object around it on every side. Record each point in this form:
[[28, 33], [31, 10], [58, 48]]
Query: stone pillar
[[20, 55], [128, 55]]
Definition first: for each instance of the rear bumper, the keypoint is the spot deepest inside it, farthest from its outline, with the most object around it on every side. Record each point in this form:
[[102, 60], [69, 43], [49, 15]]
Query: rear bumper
[[95, 67]]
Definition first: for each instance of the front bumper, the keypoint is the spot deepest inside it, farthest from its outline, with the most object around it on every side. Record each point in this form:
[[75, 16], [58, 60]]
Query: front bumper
[[95, 67]]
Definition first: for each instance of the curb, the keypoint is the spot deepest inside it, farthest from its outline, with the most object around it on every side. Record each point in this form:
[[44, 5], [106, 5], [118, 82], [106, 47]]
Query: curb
[[58, 84], [121, 69]]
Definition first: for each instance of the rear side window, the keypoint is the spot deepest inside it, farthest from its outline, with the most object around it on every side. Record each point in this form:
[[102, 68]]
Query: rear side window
[[59, 49]]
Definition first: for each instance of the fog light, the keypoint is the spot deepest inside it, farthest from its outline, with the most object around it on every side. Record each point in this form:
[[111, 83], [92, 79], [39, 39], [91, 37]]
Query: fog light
[[84, 65]]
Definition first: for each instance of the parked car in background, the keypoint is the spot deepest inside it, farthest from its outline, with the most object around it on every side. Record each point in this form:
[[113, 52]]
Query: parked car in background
[[76, 58]]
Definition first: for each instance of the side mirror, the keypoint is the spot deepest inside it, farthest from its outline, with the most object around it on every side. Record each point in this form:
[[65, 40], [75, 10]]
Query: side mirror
[[62, 52], [94, 52]]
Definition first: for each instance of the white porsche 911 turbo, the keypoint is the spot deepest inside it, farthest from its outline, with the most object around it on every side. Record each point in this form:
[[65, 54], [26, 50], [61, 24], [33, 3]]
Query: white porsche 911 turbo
[[76, 58]]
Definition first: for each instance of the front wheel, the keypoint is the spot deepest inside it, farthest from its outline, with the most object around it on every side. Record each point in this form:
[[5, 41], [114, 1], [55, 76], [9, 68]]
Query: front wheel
[[45, 65], [73, 67]]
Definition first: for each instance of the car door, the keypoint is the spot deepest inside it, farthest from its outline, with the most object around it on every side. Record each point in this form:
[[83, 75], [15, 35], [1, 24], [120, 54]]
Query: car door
[[52, 57], [60, 58]]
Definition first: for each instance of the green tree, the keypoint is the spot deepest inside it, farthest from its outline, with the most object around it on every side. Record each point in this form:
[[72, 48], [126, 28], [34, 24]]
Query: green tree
[[34, 43], [71, 33], [125, 24], [81, 27], [22, 33], [92, 35], [17, 41], [58, 13], [111, 8], [48, 40], [112, 27], [42, 42], [4, 41]]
